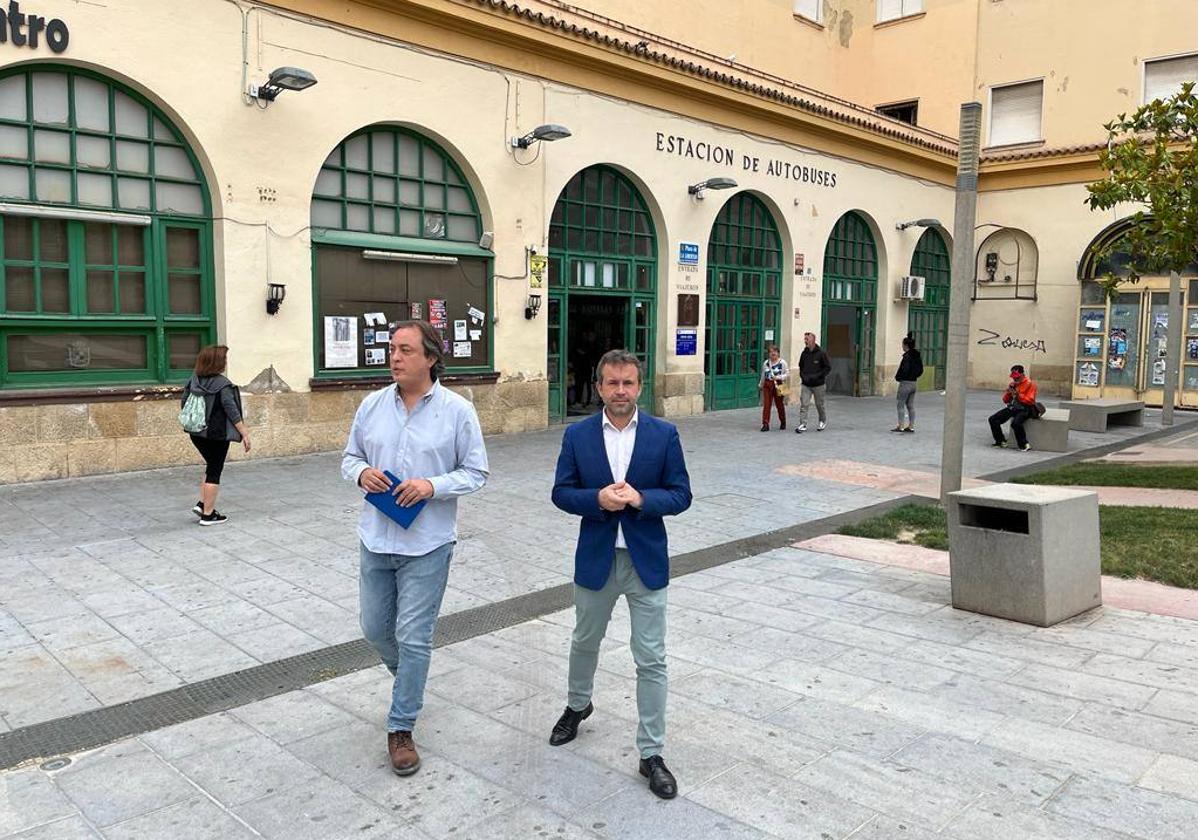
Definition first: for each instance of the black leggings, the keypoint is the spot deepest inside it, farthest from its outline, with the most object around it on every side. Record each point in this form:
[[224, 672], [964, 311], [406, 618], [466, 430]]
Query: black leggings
[[214, 453]]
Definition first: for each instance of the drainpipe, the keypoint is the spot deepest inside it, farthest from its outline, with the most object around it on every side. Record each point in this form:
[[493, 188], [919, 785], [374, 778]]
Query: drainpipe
[[957, 360]]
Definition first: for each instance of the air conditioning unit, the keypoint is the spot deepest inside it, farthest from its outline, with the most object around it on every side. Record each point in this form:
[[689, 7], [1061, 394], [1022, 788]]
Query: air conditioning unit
[[912, 288]]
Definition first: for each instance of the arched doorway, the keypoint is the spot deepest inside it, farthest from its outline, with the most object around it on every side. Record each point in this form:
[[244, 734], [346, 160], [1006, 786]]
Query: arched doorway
[[602, 285], [744, 300], [850, 305], [395, 230], [106, 268], [927, 319], [1122, 343]]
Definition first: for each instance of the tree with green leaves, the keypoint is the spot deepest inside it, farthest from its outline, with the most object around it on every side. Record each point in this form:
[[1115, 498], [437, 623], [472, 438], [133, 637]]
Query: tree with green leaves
[[1151, 163]]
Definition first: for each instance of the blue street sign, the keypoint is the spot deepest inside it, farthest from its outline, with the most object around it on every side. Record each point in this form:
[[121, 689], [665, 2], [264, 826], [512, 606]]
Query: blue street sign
[[686, 342], [688, 253]]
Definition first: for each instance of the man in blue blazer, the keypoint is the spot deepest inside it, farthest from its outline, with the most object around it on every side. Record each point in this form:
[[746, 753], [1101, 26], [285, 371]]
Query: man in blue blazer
[[622, 471]]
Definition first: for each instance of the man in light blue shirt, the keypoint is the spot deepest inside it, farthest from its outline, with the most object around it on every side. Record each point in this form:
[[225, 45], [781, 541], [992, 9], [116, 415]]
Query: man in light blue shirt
[[429, 438]]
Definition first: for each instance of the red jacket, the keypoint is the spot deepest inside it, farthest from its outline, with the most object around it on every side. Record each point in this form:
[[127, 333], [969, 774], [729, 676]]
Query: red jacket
[[1025, 391]]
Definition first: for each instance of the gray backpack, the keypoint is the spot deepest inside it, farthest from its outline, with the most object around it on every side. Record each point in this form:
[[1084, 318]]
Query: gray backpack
[[193, 417]]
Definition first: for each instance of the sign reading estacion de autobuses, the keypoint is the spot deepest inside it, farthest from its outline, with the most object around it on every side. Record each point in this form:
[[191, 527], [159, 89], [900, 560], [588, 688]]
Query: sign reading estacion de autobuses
[[676, 144], [29, 30]]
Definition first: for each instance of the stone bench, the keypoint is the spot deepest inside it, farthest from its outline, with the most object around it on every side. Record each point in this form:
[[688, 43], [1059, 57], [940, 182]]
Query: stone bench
[[1049, 433], [1096, 415]]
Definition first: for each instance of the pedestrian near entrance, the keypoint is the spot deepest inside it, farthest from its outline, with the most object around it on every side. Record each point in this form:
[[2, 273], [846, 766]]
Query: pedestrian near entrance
[[430, 439], [622, 472], [223, 423], [909, 371], [774, 385], [1020, 399], [814, 367]]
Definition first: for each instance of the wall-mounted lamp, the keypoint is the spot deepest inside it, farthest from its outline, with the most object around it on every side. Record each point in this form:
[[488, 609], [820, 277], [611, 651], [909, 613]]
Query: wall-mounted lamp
[[275, 292], [923, 223], [548, 132], [710, 184], [281, 79], [532, 307], [404, 256]]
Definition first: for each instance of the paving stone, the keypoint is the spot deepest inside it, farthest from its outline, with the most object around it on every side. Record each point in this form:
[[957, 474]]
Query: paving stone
[[153, 625], [775, 617], [791, 645], [931, 712], [714, 653], [292, 716], [780, 806], [1011, 700], [248, 769], [328, 810], [884, 786], [199, 656], [683, 622], [58, 634], [234, 616], [1170, 774], [1170, 654], [275, 642], [982, 768], [442, 801], [481, 689], [637, 813], [1083, 686], [884, 827], [29, 798], [72, 828], [618, 660], [749, 697], [842, 725], [1175, 705], [1075, 750], [932, 628], [117, 788], [893, 602], [996, 818], [528, 821], [1119, 644], [1132, 810], [1141, 730], [185, 739], [957, 658], [194, 819], [887, 669], [1156, 674]]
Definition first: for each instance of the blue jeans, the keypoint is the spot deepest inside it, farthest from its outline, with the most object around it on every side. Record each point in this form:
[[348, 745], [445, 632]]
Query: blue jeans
[[400, 597]]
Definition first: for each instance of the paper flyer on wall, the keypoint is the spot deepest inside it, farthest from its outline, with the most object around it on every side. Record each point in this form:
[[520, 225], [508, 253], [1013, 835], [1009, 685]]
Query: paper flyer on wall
[[461, 349], [459, 330], [1087, 374], [340, 341], [376, 355], [436, 313]]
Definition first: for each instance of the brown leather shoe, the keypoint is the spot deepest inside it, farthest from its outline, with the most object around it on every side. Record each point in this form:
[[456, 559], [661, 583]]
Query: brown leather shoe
[[404, 759]]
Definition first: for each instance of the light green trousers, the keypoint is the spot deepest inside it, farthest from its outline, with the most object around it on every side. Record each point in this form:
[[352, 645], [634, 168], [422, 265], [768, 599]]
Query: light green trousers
[[647, 610]]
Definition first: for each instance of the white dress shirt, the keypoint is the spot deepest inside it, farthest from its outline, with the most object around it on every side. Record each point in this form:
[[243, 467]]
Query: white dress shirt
[[619, 444]]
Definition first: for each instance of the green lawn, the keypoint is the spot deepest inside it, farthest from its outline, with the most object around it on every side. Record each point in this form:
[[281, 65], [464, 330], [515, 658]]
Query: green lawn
[[1117, 475], [1137, 542]]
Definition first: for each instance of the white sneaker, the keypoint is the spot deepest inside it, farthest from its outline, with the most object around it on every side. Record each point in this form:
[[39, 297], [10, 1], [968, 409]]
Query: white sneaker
[[802, 427], [822, 425]]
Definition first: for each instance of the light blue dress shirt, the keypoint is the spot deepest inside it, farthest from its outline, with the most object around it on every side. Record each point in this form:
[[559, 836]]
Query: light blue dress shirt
[[440, 440]]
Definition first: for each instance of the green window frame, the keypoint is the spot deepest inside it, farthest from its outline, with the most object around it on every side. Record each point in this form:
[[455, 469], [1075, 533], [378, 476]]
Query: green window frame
[[928, 318], [851, 263], [394, 182], [106, 266], [388, 188]]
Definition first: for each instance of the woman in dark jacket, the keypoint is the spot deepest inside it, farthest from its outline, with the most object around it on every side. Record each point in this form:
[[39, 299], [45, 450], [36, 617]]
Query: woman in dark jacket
[[910, 369], [225, 424]]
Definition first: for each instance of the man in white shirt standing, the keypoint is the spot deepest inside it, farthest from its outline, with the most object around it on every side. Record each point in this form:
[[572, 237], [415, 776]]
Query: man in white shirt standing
[[430, 439], [622, 471]]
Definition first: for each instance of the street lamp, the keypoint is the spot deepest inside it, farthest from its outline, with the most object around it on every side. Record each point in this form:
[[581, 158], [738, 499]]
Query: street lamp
[[281, 79], [549, 132], [923, 223], [710, 184]]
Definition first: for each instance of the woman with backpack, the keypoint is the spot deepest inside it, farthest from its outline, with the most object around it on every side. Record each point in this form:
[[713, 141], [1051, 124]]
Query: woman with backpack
[[211, 413], [910, 369]]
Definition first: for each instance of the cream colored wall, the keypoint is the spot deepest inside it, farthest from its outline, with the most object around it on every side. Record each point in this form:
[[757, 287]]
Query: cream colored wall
[[1090, 54]]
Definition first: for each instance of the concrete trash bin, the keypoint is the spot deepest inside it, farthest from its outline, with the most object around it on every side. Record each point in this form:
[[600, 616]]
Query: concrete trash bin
[[1024, 552]]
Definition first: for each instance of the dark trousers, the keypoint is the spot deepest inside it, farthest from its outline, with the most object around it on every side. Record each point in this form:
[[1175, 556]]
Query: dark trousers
[[1018, 416], [214, 453], [771, 397]]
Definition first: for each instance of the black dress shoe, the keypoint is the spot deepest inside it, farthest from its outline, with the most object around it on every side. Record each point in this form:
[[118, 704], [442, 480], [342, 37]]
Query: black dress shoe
[[566, 727], [661, 780]]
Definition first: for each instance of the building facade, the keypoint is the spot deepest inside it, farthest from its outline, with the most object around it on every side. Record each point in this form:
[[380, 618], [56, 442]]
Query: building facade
[[702, 207]]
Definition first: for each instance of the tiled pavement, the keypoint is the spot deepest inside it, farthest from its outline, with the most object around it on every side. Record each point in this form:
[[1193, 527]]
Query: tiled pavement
[[811, 695]]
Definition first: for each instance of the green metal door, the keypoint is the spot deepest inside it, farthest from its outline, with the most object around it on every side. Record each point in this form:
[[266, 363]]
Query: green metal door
[[744, 290], [851, 279], [927, 319], [601, 242]]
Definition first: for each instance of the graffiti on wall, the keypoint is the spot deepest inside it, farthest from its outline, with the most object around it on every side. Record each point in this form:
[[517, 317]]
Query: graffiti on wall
[[990, 338]]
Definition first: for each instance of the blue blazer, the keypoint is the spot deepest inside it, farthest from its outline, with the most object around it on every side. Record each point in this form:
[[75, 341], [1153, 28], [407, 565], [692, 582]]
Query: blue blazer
[[657, 470]]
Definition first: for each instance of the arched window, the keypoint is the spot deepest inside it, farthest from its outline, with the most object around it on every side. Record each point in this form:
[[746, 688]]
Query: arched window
[[927, 319], [1007, 266], [850, 305], [105, 235], [395, 230]]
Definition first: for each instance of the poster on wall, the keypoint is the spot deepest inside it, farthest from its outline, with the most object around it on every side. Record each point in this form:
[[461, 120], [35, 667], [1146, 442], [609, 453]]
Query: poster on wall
[[376, 355], [436, 313], [537, 264], [1194, 321], [1092, 320], [462, 349], [1158, 372], [1118, 341], [1192, 348], [416, 311], [459, 330], [1087, 374], [340, 341], [1092, 346]]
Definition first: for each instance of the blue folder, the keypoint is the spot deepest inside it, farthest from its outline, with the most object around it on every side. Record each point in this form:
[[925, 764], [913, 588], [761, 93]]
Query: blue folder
[[388, 504]]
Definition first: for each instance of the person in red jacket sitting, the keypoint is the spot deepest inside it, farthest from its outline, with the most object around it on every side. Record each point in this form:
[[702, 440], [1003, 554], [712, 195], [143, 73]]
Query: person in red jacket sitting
[[1020, 399]]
